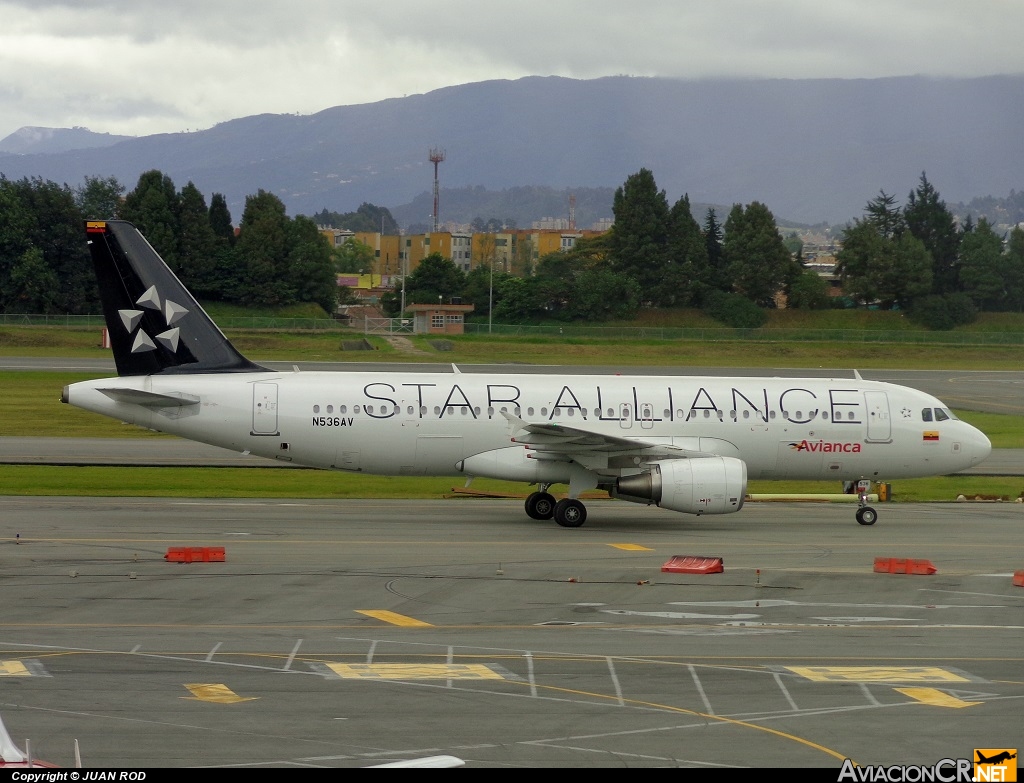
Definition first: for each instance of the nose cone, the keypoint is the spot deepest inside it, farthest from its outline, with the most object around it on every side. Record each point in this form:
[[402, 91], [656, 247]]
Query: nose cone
[[980, 447]]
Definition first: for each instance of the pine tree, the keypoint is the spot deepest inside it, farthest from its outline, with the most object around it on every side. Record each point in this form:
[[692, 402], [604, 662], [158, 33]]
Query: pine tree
[[639, 238], [929, 220], [153, 208], [756, 258]]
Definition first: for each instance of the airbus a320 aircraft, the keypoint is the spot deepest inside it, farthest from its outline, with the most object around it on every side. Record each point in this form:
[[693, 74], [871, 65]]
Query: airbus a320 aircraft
[[683, 443]]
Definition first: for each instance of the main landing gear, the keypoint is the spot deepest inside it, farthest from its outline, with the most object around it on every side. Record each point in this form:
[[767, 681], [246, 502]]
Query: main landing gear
[[568, 512]]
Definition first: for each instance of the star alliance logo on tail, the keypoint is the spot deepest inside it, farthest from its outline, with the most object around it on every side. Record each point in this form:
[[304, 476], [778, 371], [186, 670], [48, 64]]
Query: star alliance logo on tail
[[172, 313]]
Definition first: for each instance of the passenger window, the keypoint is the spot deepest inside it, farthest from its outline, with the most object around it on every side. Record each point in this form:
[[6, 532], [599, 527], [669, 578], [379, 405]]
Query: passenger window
[[926, 414]]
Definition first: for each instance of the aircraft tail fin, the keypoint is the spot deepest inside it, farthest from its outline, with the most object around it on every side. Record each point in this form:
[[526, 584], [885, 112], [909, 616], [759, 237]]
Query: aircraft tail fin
[[153, 322]]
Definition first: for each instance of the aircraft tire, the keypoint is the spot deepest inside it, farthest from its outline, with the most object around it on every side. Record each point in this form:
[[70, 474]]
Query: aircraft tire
[[570, 513], [866, 515], [540, 505]]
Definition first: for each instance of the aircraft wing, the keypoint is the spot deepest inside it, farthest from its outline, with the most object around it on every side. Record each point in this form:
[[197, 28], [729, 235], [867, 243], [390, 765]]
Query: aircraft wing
[[591, 449]]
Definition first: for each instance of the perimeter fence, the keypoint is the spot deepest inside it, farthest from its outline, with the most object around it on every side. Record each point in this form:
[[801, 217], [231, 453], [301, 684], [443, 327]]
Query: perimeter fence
[[692, 334]]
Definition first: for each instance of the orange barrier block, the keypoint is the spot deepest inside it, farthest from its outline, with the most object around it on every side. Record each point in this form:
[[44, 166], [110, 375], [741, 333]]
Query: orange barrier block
[[694, 564], [902, 565], [195, 554], [1018, 578]]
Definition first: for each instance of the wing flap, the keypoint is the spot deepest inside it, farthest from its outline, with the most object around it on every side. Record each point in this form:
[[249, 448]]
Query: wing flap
[[589, 448]]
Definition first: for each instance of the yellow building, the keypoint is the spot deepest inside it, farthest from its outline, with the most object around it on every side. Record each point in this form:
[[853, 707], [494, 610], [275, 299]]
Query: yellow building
[[508, 251]]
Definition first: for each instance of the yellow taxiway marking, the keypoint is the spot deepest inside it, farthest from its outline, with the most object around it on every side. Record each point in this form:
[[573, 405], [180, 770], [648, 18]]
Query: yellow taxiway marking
[[631, 547], [394, 618], [413, 671], [215, 692], [935, 697], [876, 674], [13, 669]]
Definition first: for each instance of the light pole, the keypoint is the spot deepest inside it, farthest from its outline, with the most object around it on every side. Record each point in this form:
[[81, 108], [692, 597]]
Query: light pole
[[490, 301]]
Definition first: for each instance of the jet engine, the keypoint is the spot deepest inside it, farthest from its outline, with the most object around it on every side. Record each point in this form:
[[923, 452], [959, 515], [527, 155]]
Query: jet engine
[[701, 485]]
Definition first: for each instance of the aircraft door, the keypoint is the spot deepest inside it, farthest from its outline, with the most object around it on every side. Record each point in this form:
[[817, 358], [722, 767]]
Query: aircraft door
[[264, 409], [879, 424]]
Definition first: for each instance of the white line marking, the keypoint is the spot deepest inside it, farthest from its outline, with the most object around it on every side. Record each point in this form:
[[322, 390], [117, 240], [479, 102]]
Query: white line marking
[[785, 691], [700, 689], [529, 668], [615, 682], [295, 650]]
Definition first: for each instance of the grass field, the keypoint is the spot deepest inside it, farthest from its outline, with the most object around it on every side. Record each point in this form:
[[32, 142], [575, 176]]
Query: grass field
[[274, 482]]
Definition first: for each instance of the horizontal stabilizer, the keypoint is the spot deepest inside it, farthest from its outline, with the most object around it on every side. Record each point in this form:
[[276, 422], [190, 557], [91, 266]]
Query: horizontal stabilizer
[[150, 399]]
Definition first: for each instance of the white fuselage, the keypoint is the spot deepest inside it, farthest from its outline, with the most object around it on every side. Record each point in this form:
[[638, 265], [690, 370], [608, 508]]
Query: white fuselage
[[422, 423]]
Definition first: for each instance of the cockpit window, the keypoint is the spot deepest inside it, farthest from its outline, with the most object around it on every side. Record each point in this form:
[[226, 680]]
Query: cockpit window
[[926, 414], [941, 414]]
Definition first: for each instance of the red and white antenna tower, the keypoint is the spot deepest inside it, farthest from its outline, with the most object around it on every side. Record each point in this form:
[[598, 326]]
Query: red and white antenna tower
[[436, 156]]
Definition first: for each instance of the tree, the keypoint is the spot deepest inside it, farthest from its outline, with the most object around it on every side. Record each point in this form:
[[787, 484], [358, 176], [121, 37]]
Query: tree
[[639, 238], [984, 268], [52, 223], [887, 218], [930, 221], [435, 278], [310, 265], [33, 285], [153, 207], [755, 255], [99, 198], [891, 272], [687, 274], [517, 299], [262, 251], [1015, 270], [16, 224], [220, 219], [718, 279], [482, 287], [197, 244], [353, 257], [808, 292]]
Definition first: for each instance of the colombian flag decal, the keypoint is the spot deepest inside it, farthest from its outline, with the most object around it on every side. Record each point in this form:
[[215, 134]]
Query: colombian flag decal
[[931, 435]]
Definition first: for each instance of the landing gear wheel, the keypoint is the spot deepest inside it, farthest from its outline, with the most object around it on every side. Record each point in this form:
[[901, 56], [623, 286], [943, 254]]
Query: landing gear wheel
[[540, 505], [570, 513], [866, 515]]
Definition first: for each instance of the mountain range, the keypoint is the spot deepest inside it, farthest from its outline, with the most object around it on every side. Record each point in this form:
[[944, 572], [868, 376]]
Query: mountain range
[[812, 150]]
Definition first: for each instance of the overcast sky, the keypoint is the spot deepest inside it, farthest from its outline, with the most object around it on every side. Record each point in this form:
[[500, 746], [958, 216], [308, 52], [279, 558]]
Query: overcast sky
[[151, 66]]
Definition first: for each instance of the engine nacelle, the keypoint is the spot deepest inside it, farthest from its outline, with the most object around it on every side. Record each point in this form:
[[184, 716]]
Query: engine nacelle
[[702, 485]]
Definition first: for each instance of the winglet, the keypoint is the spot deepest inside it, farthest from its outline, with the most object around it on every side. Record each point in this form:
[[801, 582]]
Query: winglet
[[455, 369], [856, 374]]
